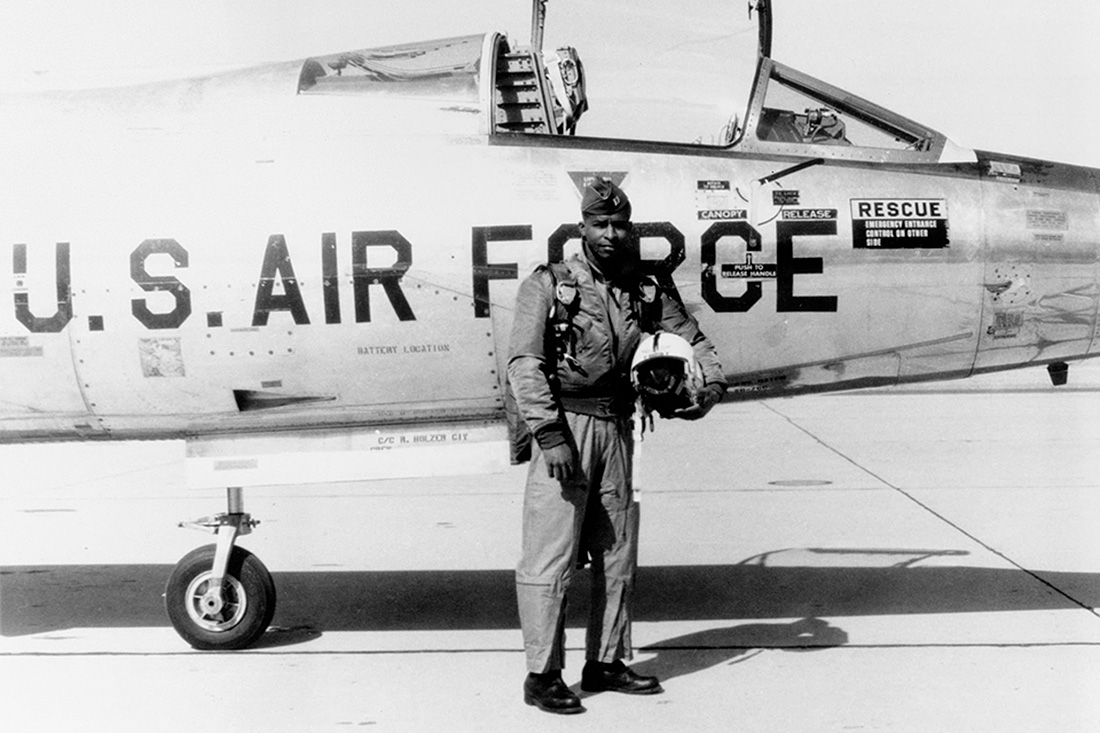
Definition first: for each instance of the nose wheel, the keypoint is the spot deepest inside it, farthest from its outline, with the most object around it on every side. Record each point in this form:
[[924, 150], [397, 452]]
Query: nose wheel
[[220, 596], [231, 615]]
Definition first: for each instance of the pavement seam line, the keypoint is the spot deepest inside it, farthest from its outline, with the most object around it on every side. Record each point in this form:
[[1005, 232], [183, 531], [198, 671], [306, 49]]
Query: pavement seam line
[[642, 650], [932, 511]]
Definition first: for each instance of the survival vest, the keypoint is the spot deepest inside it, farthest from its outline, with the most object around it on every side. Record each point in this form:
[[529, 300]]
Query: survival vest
[[561, 340]]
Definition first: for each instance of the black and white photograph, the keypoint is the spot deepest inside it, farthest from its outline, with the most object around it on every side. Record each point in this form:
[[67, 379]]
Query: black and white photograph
[[550, 365]]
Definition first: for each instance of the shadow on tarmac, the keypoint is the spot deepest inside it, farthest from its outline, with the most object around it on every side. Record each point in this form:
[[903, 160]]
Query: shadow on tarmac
[[684, 655], [49, 598]]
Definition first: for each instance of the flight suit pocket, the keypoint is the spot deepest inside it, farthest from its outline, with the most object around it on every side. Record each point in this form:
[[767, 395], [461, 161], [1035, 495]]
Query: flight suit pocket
[[582, 332]]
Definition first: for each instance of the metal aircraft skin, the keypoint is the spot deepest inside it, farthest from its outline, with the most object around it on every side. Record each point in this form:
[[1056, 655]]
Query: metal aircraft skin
[[334, 245]]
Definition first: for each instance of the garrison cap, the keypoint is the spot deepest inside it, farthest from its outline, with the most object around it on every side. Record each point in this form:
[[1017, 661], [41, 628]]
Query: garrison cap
[[603, 198]]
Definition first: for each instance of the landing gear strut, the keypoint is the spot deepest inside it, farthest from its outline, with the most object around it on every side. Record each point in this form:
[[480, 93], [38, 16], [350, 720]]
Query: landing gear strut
[[221, 596]]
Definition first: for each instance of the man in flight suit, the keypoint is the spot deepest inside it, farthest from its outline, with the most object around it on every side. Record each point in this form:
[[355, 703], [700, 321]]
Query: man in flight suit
[[577, 325]]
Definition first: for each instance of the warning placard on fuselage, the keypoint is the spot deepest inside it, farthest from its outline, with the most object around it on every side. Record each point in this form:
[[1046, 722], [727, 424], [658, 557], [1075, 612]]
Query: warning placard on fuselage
[[899, 224]]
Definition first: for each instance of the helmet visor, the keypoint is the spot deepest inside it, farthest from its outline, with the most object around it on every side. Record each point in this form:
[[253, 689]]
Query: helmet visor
[[661, 376]]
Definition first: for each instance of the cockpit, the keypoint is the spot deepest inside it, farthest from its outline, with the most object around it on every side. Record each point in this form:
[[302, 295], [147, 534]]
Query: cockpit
[[690, 91], [700, 97], [693, 90]]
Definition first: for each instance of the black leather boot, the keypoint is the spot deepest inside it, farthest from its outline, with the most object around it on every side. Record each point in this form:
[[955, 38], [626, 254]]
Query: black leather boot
[[617, 677], [548, 692]]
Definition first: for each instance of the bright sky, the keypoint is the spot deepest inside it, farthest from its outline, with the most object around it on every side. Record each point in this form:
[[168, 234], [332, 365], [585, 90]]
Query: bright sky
[[1007, 75]]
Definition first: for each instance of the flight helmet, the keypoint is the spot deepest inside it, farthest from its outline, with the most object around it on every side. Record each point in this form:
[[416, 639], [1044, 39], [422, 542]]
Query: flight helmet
[[665, 374]]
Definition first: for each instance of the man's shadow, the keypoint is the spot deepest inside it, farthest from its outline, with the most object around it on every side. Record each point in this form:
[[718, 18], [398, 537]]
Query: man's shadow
[[701, 650]]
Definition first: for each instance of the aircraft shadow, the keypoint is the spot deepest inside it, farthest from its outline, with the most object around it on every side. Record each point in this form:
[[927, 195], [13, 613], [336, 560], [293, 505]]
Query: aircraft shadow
[[49, 598], [690, 653]]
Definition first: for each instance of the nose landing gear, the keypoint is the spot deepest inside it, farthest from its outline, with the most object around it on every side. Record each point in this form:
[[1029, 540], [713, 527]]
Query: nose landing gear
[[220, 596]]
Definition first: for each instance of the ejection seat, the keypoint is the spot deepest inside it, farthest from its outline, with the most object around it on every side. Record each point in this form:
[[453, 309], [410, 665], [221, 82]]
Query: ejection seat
[[538, 92]]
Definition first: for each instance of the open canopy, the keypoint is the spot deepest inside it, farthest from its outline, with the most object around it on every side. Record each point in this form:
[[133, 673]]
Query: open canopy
[[700, 74], [707, 78]]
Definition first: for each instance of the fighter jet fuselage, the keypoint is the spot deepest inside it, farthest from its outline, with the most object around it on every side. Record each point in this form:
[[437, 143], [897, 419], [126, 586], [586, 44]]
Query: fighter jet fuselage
[[339, 242]]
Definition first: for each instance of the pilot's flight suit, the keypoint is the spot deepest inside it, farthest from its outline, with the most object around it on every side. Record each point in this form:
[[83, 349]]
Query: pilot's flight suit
[[585, 393]]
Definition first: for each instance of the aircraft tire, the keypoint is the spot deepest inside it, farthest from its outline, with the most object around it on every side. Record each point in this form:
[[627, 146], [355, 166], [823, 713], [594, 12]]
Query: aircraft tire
[[248, 592]]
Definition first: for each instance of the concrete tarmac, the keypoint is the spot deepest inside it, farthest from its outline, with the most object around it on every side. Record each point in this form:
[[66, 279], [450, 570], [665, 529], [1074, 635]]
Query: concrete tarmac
[[910, 560]]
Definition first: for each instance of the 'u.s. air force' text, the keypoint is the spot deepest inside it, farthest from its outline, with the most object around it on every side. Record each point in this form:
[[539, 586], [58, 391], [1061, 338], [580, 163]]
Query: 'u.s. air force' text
[[278, 268]]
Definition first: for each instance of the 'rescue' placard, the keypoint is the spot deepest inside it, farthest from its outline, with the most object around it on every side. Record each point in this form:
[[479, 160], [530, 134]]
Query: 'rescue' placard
[[899, 224]]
